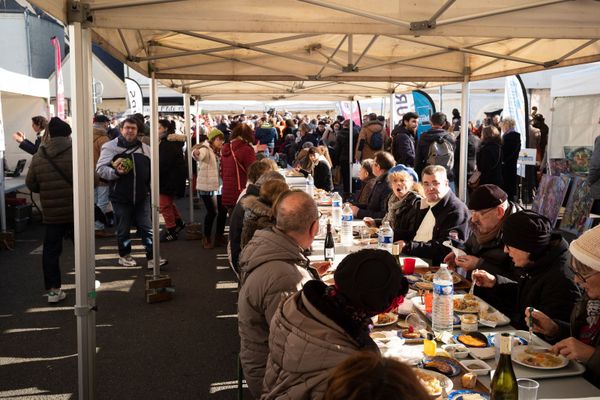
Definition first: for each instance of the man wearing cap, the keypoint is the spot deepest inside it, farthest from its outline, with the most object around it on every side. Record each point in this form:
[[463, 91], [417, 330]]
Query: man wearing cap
[[101, 189], [51, 175], [273, 266], [541, 260], [318, 328], [489, 207]]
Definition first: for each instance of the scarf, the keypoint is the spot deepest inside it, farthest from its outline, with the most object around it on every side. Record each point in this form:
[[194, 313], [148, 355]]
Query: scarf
[[593, 312], [128, 145], [394, 204]]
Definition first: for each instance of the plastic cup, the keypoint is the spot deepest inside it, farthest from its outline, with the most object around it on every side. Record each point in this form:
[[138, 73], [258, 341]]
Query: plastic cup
[[408, 266], [428, 300], [528, 389]]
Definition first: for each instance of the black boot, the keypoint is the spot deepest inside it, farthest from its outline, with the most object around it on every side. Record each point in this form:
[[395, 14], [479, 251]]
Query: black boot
[[179, 225]]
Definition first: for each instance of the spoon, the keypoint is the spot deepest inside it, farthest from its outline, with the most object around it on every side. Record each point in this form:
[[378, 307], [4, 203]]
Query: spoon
[[530, 325]]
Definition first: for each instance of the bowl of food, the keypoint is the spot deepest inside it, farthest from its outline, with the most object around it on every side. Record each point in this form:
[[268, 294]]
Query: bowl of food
[[458, 350]]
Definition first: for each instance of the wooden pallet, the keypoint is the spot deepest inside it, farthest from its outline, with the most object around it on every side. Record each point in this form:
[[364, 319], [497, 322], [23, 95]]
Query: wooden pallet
[[158, 289]]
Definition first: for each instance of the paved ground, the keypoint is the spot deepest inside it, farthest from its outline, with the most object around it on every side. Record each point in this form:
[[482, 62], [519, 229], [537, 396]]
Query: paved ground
[[182, 349]]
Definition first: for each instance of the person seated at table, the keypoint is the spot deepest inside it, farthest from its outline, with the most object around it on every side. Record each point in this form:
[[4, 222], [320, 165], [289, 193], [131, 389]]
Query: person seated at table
[[367, 181], [367, 375], [441, 214], [541, 259], [376, 206], [311, 164], [489, 208], [579, 337], [317, 328]]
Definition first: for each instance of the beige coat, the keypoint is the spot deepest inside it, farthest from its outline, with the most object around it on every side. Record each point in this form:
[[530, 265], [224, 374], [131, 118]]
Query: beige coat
[[365, 134], [100, 137], [208, 168], [272, 267]]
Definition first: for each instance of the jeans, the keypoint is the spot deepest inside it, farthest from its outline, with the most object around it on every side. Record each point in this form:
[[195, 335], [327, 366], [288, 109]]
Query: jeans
[[53, 245], [101, 200], [169, 211], [214, 208], [139, 215]]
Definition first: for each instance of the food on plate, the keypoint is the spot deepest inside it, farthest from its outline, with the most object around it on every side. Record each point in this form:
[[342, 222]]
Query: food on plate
[[429, 382], [385, 318], [486, 315], [542, 359], [428, 276], [470, 396], [468, 380], [439, 366], [473, 339], [293, 172], [410, 333], [466, 303]]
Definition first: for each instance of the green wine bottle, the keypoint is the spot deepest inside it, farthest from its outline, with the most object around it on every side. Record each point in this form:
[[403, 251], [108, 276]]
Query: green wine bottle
[[504, 385]]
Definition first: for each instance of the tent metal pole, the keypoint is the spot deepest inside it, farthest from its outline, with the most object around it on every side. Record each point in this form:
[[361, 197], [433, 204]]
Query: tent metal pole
[[464, 135], [154, 170], [188, 141], [351, 140], [83, 207], [441, 98], [350, 50], [2, 201], [361, 13]]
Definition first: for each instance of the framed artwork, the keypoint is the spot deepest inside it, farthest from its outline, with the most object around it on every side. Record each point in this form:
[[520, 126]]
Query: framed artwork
[[557, 166], [579, 158], [579, 205], [551, 195]]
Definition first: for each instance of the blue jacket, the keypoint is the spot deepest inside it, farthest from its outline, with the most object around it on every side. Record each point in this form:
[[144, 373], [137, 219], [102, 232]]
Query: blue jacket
[[266, 134]]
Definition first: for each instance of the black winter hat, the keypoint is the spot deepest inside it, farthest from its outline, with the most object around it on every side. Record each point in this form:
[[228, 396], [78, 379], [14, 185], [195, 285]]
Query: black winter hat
[[486, 196], [57, 127], [371, 280], [528, 231]]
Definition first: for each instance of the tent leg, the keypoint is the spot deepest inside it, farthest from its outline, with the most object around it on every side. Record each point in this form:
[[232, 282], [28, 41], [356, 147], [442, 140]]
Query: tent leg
[[188, 140], [464, 136], [83, 203]]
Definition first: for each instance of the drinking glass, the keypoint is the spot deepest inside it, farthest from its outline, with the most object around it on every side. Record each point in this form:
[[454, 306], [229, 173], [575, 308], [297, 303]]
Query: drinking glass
[[528, 389]]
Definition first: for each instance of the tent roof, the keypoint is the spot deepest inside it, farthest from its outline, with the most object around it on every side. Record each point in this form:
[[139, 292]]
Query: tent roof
[[337, 49], [20, 84], [579, 83]]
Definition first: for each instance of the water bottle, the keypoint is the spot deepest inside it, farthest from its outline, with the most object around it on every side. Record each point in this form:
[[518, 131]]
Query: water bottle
[[347, 225], [443, 307], [310, 185], [336, 210], [385, 237]]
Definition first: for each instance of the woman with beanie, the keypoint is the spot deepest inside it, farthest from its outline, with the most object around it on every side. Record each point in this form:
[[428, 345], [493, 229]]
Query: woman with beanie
[[317, 328], [209, 184], [236, 157], [580, 335], [172, 174], [540, 258]]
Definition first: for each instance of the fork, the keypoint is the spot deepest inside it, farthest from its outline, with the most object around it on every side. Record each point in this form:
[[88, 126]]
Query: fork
[[530, 325], [444, 384], [472, 289]]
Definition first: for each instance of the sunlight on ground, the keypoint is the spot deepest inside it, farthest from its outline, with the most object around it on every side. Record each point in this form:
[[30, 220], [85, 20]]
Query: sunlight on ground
[[116, 248], [117, 286], [19, 360], [226, 285], [47, 309], [11, 394], [24, 330], [219, 268], [220, 386], [227, 316]]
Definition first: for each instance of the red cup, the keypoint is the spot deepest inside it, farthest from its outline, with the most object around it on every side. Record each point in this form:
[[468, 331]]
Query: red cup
[[428, 300], [408, 266]]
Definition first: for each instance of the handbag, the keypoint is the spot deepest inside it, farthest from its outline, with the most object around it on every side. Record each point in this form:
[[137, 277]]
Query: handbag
[[474, 180]]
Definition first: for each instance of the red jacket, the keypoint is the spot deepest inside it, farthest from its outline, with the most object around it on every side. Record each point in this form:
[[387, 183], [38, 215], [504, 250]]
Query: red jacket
[[235, 173]]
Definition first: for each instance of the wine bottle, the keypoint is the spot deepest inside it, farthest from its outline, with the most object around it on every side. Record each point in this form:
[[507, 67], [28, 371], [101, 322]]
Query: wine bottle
[[329, 244], [504, 385]]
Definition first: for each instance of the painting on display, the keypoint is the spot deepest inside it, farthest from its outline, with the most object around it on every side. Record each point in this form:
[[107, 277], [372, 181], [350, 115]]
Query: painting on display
[[579, 158], [558, 166], [579, 204], [550, 196]]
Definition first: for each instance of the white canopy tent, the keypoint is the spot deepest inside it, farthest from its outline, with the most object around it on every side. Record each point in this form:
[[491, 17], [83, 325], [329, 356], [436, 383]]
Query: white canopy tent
[[290, 47]]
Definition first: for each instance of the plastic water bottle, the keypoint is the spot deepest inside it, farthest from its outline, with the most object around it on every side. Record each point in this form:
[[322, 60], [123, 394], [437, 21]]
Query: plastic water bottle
[[310, 185], [347, 225], [336, 210], [385, 237], [443, 307]]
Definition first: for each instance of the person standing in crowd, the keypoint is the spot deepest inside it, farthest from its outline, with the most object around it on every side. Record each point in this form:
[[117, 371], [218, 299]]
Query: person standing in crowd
[[440, 215], [209, 184], [541, 261], [489, 157], [539, 123], [316, 329], [376, 206], [125, 163], [342, 157], [594, 175], [223, 126], [101, 189], [579, 337], [38, 124], [306, 135], [456, 120], [403, 139], [328, 133], [266, 134], [511, 146], [367, 179], [173, 174], [51, 175], [273, 265], [472, 147], [236, 157], [371, 138], [436, 147]]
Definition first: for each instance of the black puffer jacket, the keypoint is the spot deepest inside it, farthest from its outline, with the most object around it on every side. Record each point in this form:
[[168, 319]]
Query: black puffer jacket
[[377, 204], [258, 215], [407, 217], [511, 145], [545, 285], [173, 170]]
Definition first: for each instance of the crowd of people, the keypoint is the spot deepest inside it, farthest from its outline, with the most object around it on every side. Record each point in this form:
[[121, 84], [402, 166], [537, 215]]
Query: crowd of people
[[299, 336]]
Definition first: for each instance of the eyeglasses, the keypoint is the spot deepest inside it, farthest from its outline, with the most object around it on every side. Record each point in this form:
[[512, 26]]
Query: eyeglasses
[[481, 213], [579, 275], [428, 185]]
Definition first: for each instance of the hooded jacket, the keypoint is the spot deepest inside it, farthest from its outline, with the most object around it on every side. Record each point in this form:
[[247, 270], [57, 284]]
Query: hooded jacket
[[208, 168], [422, 150], [173, 169], [272, 267], [403, 145], [56, 194], [258, 216], [236, 157], [363, 145]]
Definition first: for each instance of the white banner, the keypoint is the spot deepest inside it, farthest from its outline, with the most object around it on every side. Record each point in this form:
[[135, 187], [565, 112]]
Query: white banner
[[401, 104], [135, 100], [2, 144], [514, 107]]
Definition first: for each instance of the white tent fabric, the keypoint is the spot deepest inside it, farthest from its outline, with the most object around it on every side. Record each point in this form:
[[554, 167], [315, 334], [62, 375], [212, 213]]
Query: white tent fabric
[[579, 83]]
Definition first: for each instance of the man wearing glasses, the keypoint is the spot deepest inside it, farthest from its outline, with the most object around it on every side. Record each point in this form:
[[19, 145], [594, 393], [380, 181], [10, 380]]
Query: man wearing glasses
[[489, 207]]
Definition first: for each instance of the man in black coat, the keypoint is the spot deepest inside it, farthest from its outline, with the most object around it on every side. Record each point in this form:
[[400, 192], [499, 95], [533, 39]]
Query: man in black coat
[[511, 145], [403, 139], [342, 154], [442, 217], [472, 146], [436, 134]]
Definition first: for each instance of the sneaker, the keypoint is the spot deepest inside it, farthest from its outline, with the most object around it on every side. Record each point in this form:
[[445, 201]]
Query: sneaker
[[163, 261], [179, 225], [56, 295], [127, 261], [168, 235]]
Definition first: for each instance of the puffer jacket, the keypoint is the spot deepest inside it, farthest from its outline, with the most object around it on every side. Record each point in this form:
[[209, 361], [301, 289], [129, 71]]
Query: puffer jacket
[[406, 216], [208, 168], [56, 194], [173, 169], [131, 188], [363, 145], [100, 137], [236, 157], [305, 345], [272, 267], [258, 216], [594, 175], [236, 224], [403, 145]]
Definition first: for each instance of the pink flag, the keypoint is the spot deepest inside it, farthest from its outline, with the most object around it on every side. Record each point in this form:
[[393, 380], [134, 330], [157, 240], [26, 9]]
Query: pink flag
[[60, 86]]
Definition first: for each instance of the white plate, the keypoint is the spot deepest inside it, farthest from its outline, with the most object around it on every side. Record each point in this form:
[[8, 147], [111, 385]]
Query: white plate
[[440, 377], [519, 355], [501, 319], [484, 353], [394, 319]]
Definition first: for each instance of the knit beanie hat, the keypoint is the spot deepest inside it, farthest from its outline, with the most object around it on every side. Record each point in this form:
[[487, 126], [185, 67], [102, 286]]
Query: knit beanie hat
[[57, 127], [528, 231], [371, 280], [486, 196], [404, 168], [586, 248], [214, 133]]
